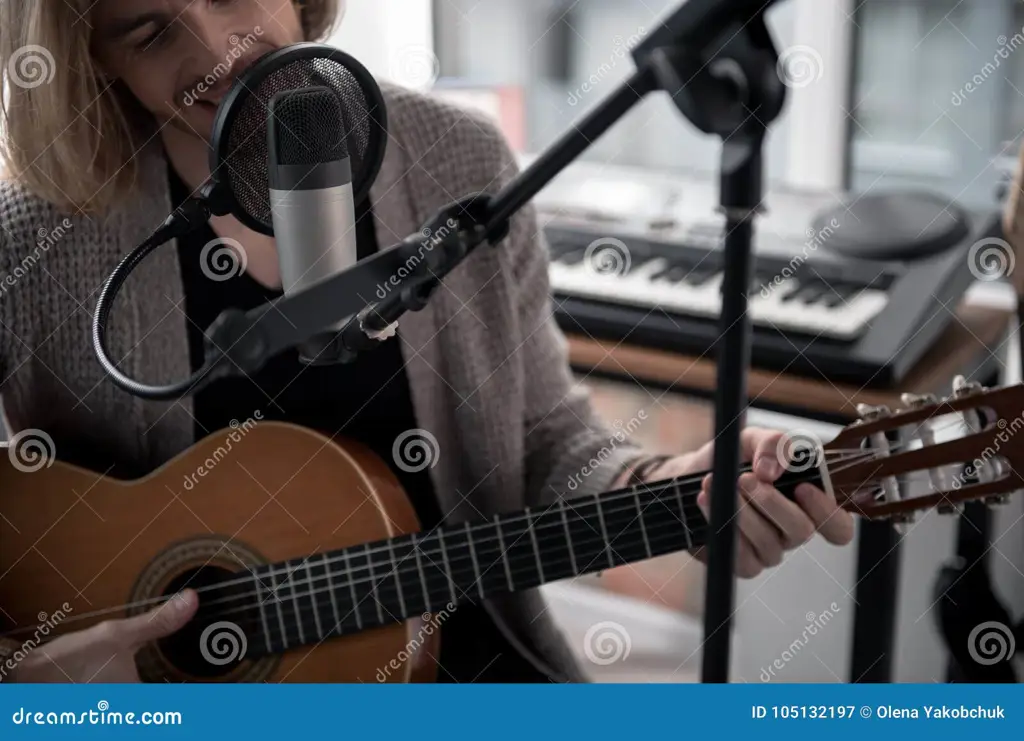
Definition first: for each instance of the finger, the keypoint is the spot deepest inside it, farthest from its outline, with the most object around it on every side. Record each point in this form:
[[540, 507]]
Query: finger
[[160, 621], [794, 524], [758, 544], [761, 448], [833, 522]]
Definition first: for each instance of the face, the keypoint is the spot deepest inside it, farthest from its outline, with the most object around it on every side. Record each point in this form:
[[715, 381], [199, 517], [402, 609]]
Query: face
[[179, 57]]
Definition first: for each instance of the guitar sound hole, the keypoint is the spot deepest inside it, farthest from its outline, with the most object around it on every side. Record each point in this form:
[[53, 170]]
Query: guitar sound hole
[[222, 632]]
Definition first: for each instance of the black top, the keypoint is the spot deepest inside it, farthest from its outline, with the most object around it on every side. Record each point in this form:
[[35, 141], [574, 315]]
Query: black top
[[367, 400]]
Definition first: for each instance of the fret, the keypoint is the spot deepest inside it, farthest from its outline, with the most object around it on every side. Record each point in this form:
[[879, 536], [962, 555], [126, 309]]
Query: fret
[[682, 514], [277, 603], [423, 576], [604, 532], [456, 546], [334, 597], [626, 543], [476, 565], [640, 517], [316, 593], [549, 535], [447, 565], [352, 588], [663, 522], [408, 576], [490, 556], [522, 557], [504, 553], [587, 545], [295, 607], [263, 610], [313, 592], [373, 583], [398, 582], [568, 538], [436, 576], [530, 522]]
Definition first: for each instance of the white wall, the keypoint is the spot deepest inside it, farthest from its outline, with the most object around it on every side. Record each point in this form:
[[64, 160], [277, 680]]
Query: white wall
[[393, 38]]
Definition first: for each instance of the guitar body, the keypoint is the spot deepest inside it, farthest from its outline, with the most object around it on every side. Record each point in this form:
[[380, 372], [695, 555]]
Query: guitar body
[[75, 544]]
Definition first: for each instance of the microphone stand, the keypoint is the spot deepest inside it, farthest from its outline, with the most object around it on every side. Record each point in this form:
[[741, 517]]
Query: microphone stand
[[717, 61]]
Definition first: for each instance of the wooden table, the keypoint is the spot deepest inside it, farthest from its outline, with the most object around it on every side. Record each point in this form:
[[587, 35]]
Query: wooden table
[[968, 347]]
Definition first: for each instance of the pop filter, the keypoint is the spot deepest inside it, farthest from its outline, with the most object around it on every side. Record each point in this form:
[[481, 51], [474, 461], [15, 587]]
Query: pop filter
[[239, 149]]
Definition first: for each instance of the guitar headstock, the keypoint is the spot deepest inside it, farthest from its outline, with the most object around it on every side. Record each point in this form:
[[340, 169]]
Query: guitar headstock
[[932, 453]]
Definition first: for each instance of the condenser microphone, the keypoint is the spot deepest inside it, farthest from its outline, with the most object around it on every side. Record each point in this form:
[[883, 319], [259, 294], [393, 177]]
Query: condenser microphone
[[312, 205]]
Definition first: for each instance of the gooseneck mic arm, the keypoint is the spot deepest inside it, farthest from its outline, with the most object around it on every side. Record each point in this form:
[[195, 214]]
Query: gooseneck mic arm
[[717, 62]]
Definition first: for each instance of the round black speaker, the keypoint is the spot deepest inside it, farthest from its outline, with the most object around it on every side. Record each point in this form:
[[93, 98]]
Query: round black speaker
[[239, 149], [909, 225]]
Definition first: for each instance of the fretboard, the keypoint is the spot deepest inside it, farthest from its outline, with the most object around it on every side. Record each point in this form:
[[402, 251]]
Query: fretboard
[[307, 600]]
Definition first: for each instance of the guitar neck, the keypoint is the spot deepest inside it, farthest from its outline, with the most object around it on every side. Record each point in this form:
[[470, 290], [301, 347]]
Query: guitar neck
[[306, 600]]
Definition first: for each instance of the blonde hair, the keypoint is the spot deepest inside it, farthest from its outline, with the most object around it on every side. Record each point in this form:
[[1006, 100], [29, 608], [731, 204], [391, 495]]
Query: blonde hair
[[71, 138]]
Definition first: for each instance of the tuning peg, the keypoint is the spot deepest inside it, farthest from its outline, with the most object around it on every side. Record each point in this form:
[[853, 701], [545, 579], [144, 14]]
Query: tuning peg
[[913, 401], [950, 509], [868, 412], [962, 387], [997, 499]]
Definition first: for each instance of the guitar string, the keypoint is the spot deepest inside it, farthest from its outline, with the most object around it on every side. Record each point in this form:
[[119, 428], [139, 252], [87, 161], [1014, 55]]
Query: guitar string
[[574, 503], [304, 624]]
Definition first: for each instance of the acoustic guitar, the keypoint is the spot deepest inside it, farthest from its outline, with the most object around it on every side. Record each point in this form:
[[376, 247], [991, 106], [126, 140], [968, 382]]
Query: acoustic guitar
[[310, 567]]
